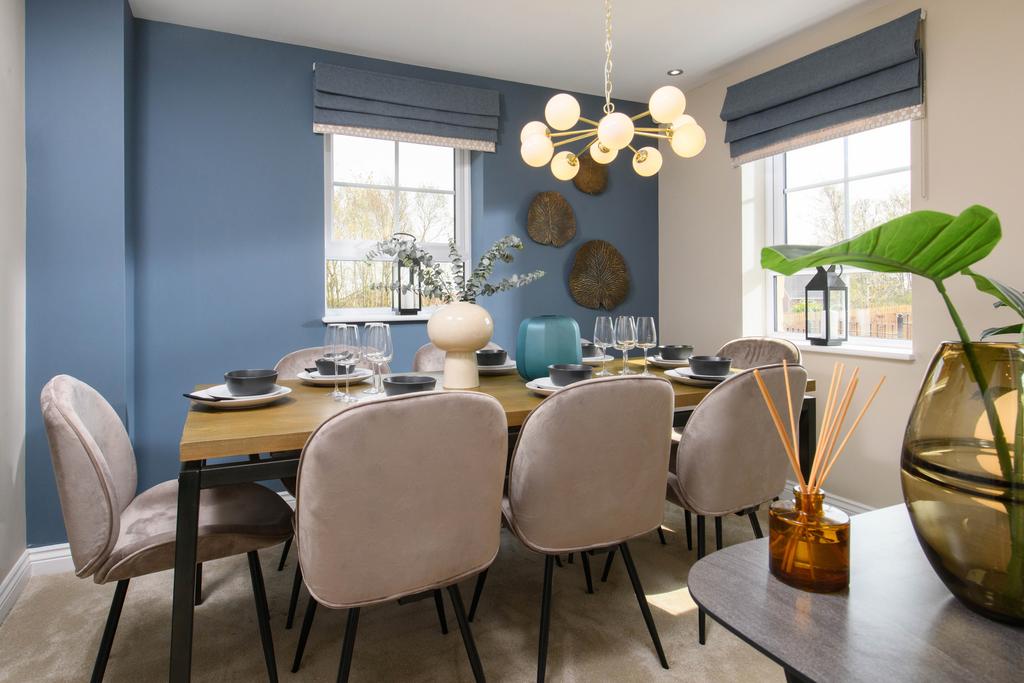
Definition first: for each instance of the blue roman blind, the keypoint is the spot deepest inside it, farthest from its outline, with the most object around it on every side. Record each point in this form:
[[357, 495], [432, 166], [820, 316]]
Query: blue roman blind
[[372, 104], [869, 80]]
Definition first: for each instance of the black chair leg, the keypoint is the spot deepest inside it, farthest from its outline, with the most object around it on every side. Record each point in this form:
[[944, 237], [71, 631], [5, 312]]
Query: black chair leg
[[293, 601], [586, 571], [661, 536], [348, 645], [467, 634], [545, 618], [477, 592], [607, 566], [689, 529], [570, 558], [718, 533], [199, 584], [701, 617], [262, 614], [558, 560], [284, 553], [307, 623], [439, 604], [755, 524], [634, 578], [113, 616]]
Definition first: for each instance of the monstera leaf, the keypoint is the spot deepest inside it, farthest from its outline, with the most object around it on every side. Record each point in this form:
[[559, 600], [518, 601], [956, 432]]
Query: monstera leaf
[[927, 243]]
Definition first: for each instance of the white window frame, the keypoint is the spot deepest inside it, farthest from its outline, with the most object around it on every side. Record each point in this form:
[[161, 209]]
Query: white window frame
[[774, 188], [356, 250]]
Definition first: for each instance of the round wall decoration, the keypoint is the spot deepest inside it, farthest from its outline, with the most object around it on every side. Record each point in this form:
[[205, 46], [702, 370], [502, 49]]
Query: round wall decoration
[[599, 277], [592, 177], [550, 219]]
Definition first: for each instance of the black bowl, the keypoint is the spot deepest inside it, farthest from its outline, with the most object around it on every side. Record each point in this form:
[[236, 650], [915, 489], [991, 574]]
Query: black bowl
[[407, 384], [250, 382], [564, 374], [713, 366], [325, 366], [489, 357], [588, 350], [676, 351]]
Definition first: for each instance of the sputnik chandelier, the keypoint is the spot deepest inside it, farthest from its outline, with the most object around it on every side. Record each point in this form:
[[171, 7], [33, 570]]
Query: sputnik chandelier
[[615, 130]]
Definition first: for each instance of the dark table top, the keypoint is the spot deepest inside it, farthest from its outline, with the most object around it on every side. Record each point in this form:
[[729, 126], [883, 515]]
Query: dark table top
[[896, 622]]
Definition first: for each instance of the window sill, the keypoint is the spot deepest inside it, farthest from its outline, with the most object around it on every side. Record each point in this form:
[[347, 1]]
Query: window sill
[[376, 318], [864, 351]]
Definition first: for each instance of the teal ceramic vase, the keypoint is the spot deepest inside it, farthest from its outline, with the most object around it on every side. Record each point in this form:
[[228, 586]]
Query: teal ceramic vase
[[545, 340]]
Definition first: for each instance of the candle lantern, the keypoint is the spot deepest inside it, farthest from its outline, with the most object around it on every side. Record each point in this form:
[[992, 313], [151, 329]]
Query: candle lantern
[[826, 308], [405, 279]]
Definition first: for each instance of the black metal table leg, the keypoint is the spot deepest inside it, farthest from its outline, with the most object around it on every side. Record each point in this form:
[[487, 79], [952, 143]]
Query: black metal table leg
[[586, 571], [185, 572], [808, 429]]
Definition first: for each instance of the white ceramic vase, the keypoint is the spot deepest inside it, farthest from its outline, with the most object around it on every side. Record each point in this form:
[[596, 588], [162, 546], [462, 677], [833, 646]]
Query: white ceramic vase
[[460, 330]]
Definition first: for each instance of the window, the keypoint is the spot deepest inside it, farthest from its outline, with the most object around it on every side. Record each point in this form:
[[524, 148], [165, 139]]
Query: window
[[826, 193], [375, 188]]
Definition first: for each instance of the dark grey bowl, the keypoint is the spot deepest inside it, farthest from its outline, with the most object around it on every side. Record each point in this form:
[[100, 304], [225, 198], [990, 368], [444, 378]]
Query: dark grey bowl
[[588, 349], [676, 351], [250, 382], [325, 366], [490, 357], [713, 366], [564, 374], [407, 384]]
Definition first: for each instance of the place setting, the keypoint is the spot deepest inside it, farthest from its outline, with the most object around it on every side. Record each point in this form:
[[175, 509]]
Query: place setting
[[492, 362], [241, 389], [672, 356], [703, 371], [560, 375]]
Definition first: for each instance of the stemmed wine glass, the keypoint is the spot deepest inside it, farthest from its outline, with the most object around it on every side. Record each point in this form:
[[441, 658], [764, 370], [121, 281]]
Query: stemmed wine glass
[[625, 339], [378, 350], [604, 336], [332, 341], [646, 337], [348, 353]]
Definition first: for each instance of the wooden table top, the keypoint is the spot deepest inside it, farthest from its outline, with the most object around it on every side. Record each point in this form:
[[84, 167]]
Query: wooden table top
[[896, 622], [286, 424]]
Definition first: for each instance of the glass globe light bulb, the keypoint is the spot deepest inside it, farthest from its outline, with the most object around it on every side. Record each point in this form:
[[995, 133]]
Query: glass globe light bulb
[[647, 161], [667, 104], [565, 166], [688, 140], [681, 121], [602, 154], [562, 111], [531, 129], [615, 130], [537, 150]]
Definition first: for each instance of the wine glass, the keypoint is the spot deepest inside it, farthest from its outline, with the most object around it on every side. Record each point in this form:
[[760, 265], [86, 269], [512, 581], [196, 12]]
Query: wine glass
[[646, 337], [378, 350], [625, 339], [604, 336], [332, 339], [348, 352]]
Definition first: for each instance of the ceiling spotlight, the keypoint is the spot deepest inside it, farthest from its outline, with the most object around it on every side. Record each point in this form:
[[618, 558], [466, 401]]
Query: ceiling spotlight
[[675, 72]]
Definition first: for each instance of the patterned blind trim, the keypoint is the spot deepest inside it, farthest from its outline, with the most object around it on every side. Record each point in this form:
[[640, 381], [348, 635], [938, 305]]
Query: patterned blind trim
[[399, 136]]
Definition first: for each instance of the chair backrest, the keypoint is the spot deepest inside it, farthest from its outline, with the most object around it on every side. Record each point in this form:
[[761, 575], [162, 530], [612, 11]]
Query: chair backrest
[[429, 358], [729, 456], [400, 495], [297, 361], [754, 352], [94, 466], [590, 465]]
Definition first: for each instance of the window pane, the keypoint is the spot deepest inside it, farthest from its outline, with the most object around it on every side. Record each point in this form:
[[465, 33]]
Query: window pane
[[874, 201], [879, 305], [362, 213], [429, 216], [789, 303], [358, 284], [880, 149], [426, 166], [816, 216], [818, 163], [363, 160]]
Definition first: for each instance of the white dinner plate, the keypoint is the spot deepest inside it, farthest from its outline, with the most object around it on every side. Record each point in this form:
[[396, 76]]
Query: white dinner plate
[[665, 363], [506, 368], [543, 386], [685, 376], [316, 379], [234, 403], [598, 360]]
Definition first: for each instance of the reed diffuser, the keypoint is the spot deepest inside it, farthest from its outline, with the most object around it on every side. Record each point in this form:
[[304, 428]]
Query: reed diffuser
[[808, 540]]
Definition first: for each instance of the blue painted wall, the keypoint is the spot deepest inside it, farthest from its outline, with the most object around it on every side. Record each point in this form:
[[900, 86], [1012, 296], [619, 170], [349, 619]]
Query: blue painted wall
[[227, 238]]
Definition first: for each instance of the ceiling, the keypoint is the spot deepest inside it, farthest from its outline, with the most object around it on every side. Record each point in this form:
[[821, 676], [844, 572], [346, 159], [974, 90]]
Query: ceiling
[[553, 43]]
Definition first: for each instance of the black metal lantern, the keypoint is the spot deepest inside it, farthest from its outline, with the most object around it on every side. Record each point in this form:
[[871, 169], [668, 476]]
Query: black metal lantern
[[405, 282], [826, 308]]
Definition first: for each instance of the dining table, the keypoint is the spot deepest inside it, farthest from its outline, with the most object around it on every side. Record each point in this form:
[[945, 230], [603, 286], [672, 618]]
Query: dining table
[[221, 447]]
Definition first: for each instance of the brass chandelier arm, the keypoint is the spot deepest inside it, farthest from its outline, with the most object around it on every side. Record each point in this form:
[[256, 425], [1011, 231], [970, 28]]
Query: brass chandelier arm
[[639, 116], [663, 136], [589, 145], [572, 132], [574, 139], [590, 121]]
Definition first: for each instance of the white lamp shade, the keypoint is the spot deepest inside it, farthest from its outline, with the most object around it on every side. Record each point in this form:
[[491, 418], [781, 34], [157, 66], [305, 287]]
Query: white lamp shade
[[667, 104], [562, 111], [531, 129], [651, 163], [688, 140], [565, 166], [615, 130], [537, 150], [681, 121], [602, 154]]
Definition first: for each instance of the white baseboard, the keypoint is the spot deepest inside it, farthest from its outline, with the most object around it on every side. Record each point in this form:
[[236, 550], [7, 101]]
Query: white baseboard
[[13, 584], [850, 507], [50, 559]]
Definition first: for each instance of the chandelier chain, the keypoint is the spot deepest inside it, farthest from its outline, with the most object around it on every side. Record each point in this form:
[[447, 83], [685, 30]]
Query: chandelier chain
[[608, 106]]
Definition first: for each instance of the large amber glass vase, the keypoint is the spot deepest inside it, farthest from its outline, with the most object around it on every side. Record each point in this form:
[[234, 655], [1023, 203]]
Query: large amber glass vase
[[809, 543], [963, 475]]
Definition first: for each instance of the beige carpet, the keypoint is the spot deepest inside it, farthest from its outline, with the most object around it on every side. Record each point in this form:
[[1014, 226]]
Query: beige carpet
[[53, 632]]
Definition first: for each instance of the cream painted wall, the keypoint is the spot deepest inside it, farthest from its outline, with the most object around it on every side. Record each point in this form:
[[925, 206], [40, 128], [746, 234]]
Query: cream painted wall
[[968, 150], [12, 283]]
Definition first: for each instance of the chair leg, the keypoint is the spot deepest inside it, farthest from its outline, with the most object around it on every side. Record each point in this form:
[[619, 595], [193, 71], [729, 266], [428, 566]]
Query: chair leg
[[570, 558], [467, 634], [477, 592], [439, 604], [293, 601], [607, 566], [661, 536], [718, 533], [701, 617], [558, 560], [586, 571], [262, 614], [307, 623], [645, 609], [284, 553], [348, 645], [100, 667], [689, 529], [545, 618], [199, 584], [755, 524]]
